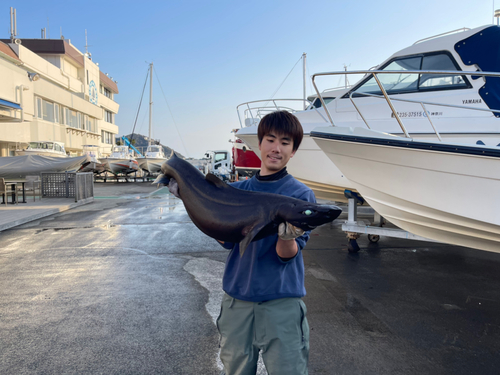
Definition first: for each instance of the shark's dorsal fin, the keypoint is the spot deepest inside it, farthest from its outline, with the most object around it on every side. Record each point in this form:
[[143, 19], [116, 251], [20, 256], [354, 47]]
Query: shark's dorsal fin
[[215, 180], [249, 237]]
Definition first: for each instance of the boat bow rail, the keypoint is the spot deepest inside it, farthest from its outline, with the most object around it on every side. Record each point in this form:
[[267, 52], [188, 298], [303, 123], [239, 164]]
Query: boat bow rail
[[257, 109], [389, 99]]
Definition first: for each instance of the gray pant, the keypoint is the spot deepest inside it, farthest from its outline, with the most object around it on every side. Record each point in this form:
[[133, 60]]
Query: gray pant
[[278, 328]]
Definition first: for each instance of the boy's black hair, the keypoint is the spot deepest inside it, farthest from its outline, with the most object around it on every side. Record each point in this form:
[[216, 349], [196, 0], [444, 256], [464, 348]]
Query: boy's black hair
[[281, 122]]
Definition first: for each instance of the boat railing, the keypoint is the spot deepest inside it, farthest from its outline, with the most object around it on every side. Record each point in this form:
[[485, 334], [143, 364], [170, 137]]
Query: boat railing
[[255, 111], [389, 100], [443, 34]]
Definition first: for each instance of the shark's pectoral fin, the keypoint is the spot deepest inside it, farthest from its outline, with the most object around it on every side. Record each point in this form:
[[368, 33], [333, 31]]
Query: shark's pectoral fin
[[215, 180], [250, 236]]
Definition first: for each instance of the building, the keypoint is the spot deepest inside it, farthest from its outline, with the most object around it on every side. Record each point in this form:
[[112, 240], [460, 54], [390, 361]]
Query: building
[[51, 91]]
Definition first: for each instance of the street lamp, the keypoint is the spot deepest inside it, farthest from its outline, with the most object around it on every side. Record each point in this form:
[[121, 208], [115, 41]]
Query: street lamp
[[33, 76]]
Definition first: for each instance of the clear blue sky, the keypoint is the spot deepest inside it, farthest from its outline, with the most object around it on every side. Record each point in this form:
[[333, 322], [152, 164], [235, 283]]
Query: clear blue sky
[[211, 56]]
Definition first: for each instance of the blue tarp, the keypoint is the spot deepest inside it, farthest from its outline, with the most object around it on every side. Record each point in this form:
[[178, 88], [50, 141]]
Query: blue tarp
[[483, 49]]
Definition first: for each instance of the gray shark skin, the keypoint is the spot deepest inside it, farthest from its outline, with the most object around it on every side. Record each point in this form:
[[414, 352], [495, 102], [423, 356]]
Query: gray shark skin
[[233, 215]]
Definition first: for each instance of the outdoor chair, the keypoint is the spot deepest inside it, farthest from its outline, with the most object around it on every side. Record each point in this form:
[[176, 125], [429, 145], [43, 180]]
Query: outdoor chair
[[31, 186], [5, 191]]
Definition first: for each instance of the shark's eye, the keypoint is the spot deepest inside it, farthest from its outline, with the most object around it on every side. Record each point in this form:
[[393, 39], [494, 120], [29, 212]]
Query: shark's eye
[[307, 212]]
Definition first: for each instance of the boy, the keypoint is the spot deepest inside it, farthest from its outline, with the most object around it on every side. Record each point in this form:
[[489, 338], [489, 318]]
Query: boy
[[262, 309]]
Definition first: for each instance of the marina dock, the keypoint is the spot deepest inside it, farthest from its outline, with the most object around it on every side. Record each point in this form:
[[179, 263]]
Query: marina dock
[[128, 284]]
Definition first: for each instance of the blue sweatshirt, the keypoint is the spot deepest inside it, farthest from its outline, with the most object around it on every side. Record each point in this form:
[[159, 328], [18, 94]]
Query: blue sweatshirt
[[260, 274]]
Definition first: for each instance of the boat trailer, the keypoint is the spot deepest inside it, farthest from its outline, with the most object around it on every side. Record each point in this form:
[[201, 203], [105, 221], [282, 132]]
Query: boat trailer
[[354, 228]]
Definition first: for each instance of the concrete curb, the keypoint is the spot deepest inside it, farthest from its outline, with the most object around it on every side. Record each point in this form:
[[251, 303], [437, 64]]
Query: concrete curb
[[44, 213]]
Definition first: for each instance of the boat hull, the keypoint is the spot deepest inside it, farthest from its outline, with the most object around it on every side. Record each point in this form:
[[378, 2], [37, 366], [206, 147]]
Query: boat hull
[[117, 166], [433, 194], [151, 165]]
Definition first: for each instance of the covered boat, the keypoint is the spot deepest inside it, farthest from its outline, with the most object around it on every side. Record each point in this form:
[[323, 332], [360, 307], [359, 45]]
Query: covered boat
[[21, 166]]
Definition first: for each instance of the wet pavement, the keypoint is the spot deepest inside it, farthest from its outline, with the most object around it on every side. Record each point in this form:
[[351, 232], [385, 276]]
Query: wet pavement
[[128, 285]]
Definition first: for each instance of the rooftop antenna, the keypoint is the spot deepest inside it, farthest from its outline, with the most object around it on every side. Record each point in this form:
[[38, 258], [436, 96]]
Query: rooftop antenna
[[13, 24], [86, 44]]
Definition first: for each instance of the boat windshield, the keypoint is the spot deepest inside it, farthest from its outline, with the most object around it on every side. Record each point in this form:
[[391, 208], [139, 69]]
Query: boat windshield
[[154, 149], [401, 82]]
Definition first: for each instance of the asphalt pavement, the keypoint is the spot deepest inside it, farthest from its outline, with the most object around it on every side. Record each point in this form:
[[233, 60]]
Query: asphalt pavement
[[128, 285]]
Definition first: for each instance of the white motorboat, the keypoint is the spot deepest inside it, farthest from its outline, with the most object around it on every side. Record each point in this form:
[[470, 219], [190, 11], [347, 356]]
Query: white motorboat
[[461, 109], [121, 161], [44, 148], [94, 165], [153, 159], [431, 189]]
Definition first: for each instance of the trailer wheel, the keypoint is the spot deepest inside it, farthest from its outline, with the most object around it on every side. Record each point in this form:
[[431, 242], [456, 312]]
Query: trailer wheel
[[353, 246], [373, 238]]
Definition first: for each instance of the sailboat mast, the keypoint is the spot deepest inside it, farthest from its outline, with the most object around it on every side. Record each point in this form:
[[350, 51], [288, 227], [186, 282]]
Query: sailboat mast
[[150, 101], [304, 77]]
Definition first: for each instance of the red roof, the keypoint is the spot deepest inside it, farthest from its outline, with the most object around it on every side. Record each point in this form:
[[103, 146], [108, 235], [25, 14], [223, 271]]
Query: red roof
[[5, 49]]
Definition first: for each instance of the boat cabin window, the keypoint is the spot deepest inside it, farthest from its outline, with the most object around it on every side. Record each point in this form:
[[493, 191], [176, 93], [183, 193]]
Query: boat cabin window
[[154, 149], [403, 83], [58, 147], [317, 102]]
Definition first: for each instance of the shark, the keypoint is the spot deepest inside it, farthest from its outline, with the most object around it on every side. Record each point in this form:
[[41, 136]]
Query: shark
[[229, 214]]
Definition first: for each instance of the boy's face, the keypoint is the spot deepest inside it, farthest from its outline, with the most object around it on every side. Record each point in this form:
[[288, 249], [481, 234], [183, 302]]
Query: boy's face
[[275, 152]]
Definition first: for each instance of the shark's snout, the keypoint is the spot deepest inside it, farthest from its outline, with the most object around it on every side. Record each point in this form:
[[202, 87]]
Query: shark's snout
[[312, 216], [161, 180]]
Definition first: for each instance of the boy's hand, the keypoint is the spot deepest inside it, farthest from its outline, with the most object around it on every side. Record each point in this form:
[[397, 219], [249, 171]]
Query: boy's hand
[[287, 231]]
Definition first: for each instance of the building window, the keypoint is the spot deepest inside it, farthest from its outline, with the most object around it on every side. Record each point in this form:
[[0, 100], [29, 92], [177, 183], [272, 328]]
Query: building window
[[56, 112], [106, 137], [81, 121], [45, 110], [63, 120], [108, 116], [107, 93], [39, 107], [90, 124], [71, 118]]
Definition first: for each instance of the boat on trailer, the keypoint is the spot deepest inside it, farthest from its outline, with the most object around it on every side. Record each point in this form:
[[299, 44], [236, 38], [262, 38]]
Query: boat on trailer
[[458, 106], [121, 161], [94, 164], [153, 159], [428, 188]]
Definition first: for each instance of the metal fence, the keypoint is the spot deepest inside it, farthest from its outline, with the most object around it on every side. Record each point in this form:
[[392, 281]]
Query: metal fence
[[68, 185]]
